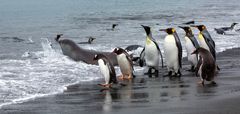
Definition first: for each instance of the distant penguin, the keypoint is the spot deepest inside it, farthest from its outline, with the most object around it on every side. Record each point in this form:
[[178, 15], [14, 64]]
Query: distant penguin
[[220, 31], [189, 22], [191, 44], [107, 70], [173, 52], [229, 28], [151, 52], [90, 40], [205, 40], [125, 63], [207, 66], [113, 26]]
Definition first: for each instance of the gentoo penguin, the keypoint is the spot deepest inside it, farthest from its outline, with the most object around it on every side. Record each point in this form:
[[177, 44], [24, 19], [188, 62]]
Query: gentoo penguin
[[151, 52], [220, 31], [229, 28], [191, 44], [207, 66], [90, 40], [107, 70], [173, 52], [125, 63], [113, 26], [205, 40]]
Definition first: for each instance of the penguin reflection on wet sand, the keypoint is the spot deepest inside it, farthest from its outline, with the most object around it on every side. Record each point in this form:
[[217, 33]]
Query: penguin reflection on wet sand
[[207, 65], [191, 45], [151, 53], [107, 70], [125, 63], [173, 52]]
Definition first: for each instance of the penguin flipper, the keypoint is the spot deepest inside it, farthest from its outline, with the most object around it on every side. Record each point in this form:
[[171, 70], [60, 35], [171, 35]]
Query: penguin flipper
[[113, 77], [142, 57], [159, 52], [179, 46]]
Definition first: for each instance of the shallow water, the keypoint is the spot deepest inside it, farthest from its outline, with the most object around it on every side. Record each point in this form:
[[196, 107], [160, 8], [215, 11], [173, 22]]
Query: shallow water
[[31, 67]]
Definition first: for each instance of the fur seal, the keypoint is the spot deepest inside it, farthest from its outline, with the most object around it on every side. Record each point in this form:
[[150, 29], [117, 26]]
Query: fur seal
[[72, 50]]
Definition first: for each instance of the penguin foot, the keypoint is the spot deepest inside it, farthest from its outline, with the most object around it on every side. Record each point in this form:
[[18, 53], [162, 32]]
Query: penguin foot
[[213, 83], [105, 85]]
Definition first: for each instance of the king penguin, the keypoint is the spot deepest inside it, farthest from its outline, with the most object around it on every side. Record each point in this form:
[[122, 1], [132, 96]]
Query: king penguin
[[107, 70], [191, 45], [151, 52], [173, 52], [205, 39], [207, 66], [125, 63]]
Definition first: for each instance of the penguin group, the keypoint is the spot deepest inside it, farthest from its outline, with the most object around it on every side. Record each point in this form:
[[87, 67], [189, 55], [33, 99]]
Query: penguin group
[[201, 55]]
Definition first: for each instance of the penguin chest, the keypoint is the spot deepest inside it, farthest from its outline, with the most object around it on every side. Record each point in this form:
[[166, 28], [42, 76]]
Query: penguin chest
[[151, 54], [170, 51], [202, 42], [190, 48], [104, 70], [124, 64]]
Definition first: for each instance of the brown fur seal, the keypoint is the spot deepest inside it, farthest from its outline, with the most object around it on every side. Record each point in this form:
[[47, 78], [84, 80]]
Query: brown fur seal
[[72, 50]]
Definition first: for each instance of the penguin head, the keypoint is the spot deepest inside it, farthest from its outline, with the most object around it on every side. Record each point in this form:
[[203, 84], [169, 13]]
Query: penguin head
[[118, 51], [200, 27], [58, 36], [96, 57], [187, 29], [114, 25], [90, 39], [198, 50], [147, 29], [168, 30]]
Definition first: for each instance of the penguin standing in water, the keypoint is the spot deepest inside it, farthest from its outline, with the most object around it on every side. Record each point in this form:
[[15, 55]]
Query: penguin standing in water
[[207, 65], [173, 52], [151, 52], [191, 45], [125, 63], [107, 70]]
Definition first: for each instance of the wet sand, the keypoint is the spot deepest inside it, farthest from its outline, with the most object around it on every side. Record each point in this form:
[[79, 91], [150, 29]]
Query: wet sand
[[147, 95]]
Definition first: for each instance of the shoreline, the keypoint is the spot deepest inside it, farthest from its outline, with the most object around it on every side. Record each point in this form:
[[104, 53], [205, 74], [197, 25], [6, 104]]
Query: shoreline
[[147, 95]]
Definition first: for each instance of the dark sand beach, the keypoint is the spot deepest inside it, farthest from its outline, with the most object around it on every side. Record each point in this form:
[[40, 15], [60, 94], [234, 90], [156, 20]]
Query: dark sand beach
[[147, 95]]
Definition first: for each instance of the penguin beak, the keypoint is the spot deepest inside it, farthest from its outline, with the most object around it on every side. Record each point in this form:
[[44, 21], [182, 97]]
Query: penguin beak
[[163, 30], [195, 26], [194, 52], [147, 29]]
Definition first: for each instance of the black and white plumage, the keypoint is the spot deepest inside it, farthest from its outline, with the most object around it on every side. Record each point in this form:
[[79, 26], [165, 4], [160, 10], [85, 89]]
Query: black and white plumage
[[125, 63], [173, 52], [207, 65], [205, 39], [135, 52], [229, 28], [107, 70], [191, 44], [220, 31], [151, 52]]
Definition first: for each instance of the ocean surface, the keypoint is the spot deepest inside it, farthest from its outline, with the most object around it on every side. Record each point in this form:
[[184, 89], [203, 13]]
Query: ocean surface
[[32, 64]]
